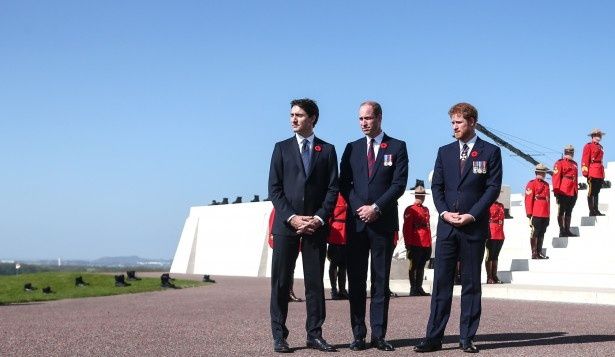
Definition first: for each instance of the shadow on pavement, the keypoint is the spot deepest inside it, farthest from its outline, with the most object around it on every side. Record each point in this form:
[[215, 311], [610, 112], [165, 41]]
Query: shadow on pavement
[[506, 340]]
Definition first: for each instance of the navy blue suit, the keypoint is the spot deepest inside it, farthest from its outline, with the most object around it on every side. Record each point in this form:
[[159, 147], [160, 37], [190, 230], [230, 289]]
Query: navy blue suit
[[471, 191], [386, 185], [292, 192]]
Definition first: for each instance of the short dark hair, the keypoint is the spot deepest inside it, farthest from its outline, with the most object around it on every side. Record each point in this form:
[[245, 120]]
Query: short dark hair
[[466, 110], [309, 105], [375, 107]]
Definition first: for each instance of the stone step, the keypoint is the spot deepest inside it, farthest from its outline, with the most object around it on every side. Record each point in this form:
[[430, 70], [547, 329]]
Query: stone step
[[593, 280], [562, 266], [564, 294]]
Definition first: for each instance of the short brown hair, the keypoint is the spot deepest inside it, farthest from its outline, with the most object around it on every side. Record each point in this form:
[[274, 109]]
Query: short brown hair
[[466, 110], [309, 105], [375, 106]]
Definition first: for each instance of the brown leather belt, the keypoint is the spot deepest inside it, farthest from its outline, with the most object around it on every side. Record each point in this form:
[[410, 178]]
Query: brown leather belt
[[540, 198], [497, 221], [339, 220], [569, 177]]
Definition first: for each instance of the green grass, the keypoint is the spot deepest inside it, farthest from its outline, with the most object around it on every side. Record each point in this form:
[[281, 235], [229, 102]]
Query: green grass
[[63, 285]]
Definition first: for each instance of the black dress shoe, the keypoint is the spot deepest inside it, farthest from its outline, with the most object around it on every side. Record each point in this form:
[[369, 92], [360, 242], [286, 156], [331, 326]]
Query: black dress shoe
[[293, 298], [468, 347], [358, 345], [320, 344], [426, 346], [423, 292], [281, 346], [382, 344]]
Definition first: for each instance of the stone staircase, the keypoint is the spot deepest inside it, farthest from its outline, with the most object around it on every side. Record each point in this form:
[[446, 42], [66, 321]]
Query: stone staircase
[[580, 269]]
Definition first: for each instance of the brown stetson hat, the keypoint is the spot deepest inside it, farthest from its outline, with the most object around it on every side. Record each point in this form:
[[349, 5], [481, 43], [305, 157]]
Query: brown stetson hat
[[596, 132], [420, 190]]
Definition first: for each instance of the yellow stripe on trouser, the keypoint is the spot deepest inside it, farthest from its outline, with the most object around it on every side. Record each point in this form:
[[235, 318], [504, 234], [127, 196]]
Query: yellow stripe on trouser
[[531, 228], [589, 187], [409, 256]]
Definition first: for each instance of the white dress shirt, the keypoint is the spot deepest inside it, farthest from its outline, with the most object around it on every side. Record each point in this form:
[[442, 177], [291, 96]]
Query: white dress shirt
[[377, 142]]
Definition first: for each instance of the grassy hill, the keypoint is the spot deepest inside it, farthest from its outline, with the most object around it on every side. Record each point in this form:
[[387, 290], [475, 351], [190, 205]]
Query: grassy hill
[[63, 285]]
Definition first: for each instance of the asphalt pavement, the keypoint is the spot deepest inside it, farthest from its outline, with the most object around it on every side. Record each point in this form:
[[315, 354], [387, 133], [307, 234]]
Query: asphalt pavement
[[231, 318]]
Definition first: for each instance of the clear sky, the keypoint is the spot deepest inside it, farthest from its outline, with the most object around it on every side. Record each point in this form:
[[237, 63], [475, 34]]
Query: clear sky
[[117, 116]]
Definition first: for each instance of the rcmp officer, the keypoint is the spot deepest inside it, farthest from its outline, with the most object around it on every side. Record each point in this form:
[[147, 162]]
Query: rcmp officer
[[336, 252], [495, 242], [537, 209], [565, 188], [417, 237], [593, 169]]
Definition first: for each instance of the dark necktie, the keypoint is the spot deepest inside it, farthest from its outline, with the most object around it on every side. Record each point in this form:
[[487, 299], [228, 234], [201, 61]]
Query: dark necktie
[[305, 155], [371, 158], [464, 157]]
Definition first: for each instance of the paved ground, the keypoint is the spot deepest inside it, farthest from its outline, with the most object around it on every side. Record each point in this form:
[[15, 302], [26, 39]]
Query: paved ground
[[232, 318]]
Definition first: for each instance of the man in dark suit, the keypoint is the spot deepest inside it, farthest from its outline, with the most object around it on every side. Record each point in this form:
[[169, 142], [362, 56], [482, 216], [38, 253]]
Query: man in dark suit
[[373, 175], [466, 180], [303, 186]]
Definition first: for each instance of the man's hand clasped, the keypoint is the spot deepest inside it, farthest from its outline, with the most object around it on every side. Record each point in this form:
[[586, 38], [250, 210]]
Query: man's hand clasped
[[458, 220], [306, 225], [367, 214]]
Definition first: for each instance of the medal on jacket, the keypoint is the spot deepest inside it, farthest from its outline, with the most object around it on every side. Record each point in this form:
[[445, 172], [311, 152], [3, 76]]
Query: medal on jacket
[[388, 160], [479, 167]]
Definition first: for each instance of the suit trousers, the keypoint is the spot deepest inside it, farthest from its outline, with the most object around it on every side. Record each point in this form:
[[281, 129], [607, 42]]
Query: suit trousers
[[359, 245], [285, 252], [448, 251]]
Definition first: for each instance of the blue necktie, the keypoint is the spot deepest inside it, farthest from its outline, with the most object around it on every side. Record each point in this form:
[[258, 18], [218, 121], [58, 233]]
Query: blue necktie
[[305, 155]]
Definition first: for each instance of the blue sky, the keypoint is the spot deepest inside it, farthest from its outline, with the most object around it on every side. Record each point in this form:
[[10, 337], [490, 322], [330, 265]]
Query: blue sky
[[116, 117]]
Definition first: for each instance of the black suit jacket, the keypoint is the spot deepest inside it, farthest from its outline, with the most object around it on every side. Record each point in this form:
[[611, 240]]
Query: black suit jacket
[[292, 192], [471, 191], [385, 186]]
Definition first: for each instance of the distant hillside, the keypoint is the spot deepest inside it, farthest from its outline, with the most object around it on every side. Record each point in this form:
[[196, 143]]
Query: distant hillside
[[101, 264]]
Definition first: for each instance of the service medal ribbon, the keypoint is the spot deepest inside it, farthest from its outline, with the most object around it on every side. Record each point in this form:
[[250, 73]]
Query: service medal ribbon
[[388, 160]]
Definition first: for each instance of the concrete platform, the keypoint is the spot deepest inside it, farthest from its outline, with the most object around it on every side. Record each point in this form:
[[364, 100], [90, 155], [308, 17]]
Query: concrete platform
[[551, 293]]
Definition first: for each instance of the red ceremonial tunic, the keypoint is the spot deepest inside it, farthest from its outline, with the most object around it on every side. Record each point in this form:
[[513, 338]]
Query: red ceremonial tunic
[[591, 161], [537, 198], [416, 226], [565, 175], [496, 221], [337, 223]]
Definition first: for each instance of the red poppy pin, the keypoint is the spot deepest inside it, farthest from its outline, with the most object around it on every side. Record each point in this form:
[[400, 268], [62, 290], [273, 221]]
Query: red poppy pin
[[384, 145], [318, 148], [474, 153]]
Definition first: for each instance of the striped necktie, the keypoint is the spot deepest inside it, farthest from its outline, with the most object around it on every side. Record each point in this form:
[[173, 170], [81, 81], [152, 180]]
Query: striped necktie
[[371, 158], [464, 157]]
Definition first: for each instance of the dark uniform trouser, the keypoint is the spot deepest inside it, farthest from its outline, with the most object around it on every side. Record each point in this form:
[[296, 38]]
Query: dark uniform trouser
[[285, 251], [417, 258], [336, 254], [448, 251], [494, 246], [358, 247], [593, 190], [566, 204]]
